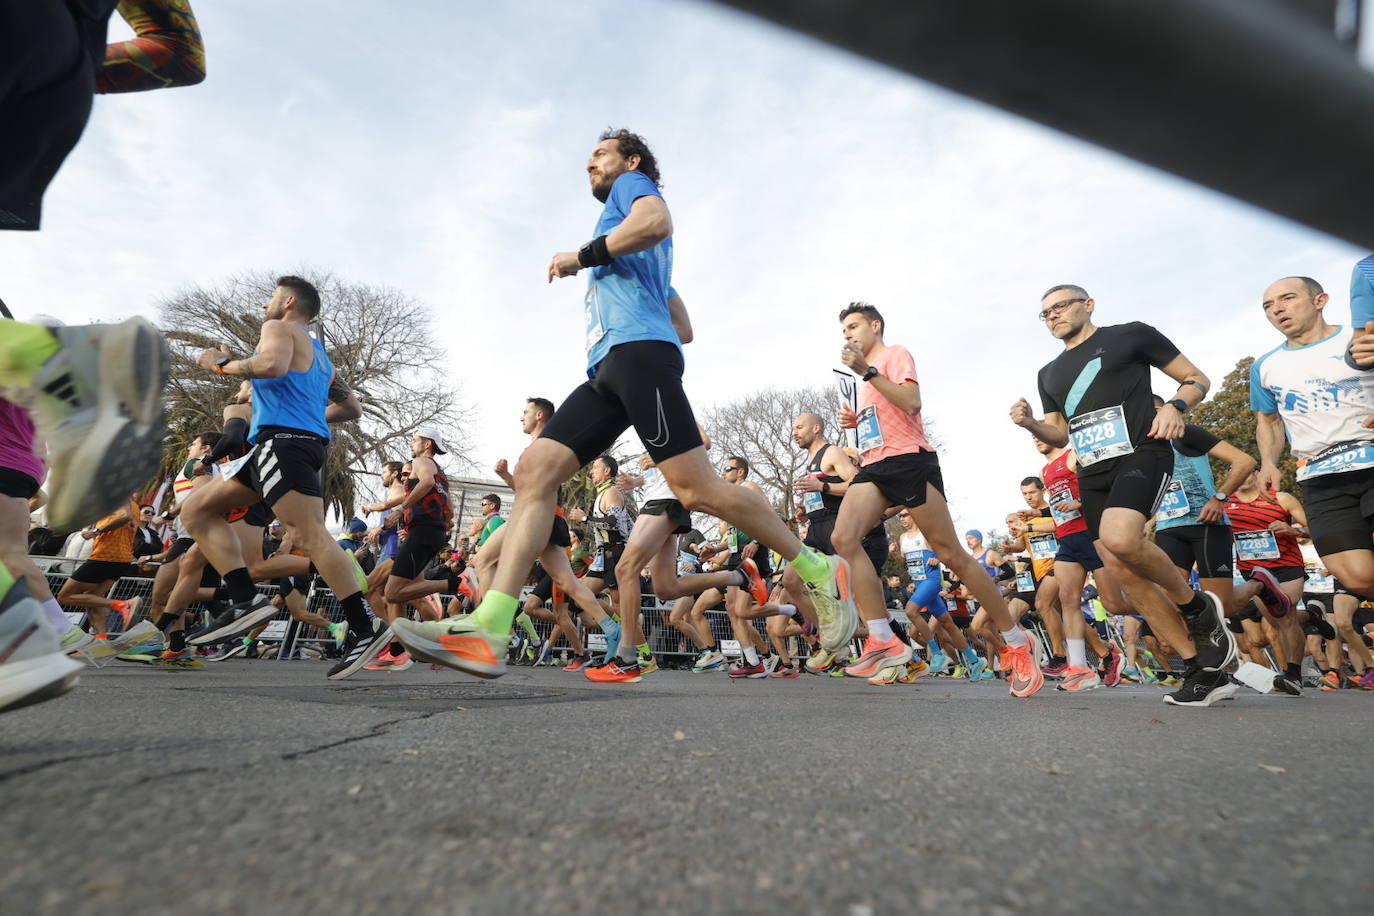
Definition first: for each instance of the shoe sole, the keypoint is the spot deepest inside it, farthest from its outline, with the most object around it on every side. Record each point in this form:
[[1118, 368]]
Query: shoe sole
[[241, 625], [1224, 692], [120, 451], [1271, 584], [844, 607], [425, 649], [381, 642], [36, 680], [877, 665], [1215, 608], [143, 632]]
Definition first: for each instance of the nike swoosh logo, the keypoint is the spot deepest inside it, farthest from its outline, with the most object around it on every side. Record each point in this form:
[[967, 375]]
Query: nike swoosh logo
[[661, 439]]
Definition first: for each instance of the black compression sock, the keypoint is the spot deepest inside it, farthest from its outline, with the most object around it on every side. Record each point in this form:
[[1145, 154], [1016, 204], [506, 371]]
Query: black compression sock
[[239, 585], [177, 639], [166, 622], [356, 613], [1294, 671]]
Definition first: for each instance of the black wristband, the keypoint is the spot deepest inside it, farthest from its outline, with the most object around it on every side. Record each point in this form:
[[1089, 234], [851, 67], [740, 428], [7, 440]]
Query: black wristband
[[594, 253]]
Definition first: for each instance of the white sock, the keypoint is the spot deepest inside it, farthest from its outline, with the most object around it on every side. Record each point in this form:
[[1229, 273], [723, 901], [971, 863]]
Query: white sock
[[880, 630], [1015, 637], [56, 617], [751, 655], [1078, 654], [787, 610]]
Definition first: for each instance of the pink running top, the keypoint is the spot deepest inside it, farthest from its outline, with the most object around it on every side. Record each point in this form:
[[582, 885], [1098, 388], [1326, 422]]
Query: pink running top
[[16, 441]]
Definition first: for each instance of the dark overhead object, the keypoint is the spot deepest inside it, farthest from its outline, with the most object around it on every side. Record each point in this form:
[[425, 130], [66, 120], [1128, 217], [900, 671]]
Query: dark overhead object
[[1255, 98]]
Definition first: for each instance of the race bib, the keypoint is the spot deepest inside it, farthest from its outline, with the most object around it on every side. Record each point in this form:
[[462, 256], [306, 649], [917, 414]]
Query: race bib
[[812, 501], [1025, 582], [686, 564], [595, 329], [1058, 496], [1042, 546], [916, 565], [870, 432], [1348, 456], [1174, 504], [228, 469], [599, 564], [1256, 545], [1099, 435], [1319, 584]]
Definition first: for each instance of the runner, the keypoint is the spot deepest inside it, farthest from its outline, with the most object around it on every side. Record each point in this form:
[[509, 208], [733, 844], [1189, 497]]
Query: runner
[[899, 468], [291, 376], [1097, 395], [634, 368], [1303, 391], [923, 566], [89, 587]]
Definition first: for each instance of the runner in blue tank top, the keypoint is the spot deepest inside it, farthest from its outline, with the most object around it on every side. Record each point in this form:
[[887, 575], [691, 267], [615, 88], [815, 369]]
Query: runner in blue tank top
[[634, 378], [292, 380]]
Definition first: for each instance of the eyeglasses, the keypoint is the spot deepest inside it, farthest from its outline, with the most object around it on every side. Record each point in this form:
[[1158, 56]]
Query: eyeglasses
[[1058, 308], [729, 467]]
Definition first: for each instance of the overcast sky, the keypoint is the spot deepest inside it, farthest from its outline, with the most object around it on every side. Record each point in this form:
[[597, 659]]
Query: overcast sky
[[439, 148]]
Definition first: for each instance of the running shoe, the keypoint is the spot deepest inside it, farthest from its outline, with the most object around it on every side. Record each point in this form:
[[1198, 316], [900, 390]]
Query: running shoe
[[708, 660], [76, 640], [753, 671], [939, 661], [985, 673], [532, 650], [647, 663], [834, 602], [340, 633], [1026, 678], [578, 662], [544, 658], [98, 400], [1169, 679], [1285, 684], [1316, 615], [770, 662], [1329, 681], [617, 672], [914, 668], [401, 662], [820, 661], [360, 648], [381, 662], [1279, 604], [1079, 680], [458, 642], [241, 617], [879, 655], [185, 658], [960, 671], [758, 589], [1202, 688], [141, 633], [1056, 667], [1115, 661], [887, 676], [1213, 640], [33, 667], [126, 609], [787, 671], [1366, 681]]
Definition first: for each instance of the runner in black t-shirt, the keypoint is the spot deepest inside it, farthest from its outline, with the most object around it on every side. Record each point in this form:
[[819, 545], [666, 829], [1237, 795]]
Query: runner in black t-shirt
[[1096, 397]]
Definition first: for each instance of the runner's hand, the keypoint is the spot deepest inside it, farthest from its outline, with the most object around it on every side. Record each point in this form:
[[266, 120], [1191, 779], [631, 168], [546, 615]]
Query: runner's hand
[[848, 419], [1210, 512], [853, 357], [1362, 350], [1168, 423], [806, 484], [1021, 413], [564, 264], [1268, 477], [208, 358]]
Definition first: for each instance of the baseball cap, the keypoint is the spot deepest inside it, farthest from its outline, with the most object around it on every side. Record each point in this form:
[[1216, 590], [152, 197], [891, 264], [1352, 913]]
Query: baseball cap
[[432, 434], [357, 526]]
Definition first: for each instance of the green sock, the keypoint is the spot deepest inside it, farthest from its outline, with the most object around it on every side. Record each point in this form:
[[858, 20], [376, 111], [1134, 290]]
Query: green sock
[[644, 650], [811, 566], [496, 612], [527, 625], [24, 348]]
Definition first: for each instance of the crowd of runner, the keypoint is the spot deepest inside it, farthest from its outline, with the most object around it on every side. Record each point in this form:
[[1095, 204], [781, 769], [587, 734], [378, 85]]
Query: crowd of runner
[[1210, 582]]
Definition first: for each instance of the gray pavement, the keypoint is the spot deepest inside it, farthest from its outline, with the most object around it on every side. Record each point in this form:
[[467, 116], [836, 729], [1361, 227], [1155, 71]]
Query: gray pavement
[[260, 787]]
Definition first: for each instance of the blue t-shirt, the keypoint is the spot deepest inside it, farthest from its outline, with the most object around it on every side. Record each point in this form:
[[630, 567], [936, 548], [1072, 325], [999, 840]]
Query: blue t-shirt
[[628, 298], [1362, 293]]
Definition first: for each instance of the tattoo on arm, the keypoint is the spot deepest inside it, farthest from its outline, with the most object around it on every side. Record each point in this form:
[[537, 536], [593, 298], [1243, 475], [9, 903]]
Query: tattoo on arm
[[245, 367]]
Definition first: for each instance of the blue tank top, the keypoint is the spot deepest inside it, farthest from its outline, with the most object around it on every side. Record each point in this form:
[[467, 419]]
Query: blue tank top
[[1192, 484], [296, 400]]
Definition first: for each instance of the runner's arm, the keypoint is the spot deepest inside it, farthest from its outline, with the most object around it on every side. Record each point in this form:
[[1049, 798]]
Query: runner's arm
[[1192, 388], [1269, 438], [1241, 466], [682, 322], [1053, 430], [343, 403], [647, 224], [1295, 509], [272, 359], [166, 49], [423, 470]]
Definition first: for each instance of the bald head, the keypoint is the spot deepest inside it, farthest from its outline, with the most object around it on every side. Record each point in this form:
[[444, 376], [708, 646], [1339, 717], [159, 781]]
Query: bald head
[[807, 429], [1294, 306]]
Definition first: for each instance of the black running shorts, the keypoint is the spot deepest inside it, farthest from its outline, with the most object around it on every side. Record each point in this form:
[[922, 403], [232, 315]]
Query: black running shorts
[[17, 484], [558, 534], [420, 545], [903, 478], [179, 546], [94, 572], [673, 510], [638, 384], [283, 461], [1340, 511], [610, 556], [1208, 547], [1137, 481]]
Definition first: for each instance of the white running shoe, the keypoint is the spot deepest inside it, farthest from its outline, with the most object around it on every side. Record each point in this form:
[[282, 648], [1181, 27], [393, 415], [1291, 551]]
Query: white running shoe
[[33, 667]]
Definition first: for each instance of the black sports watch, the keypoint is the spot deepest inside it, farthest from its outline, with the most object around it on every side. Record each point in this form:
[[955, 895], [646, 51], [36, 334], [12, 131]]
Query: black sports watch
[[1179, 404], [870, 373]]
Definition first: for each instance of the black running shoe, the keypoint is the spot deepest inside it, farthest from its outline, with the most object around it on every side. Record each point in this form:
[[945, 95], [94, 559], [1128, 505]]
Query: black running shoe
[[1316, 616], [241, 617], [1215, 643], [359, 649], [1202, 688], [1288, 685]]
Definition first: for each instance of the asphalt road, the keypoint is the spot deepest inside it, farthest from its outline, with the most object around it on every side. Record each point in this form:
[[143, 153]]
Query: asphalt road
[[260, 787]]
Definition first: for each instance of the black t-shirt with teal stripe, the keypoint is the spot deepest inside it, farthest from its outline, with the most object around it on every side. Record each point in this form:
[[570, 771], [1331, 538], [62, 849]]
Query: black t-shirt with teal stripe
[[1110, 368]]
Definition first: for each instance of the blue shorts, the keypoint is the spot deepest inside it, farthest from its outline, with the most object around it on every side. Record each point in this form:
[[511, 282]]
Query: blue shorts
[[927, 597], [1078, 548]]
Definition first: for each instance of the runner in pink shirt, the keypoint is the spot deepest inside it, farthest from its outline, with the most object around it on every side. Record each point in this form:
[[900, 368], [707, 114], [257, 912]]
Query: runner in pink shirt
[[899, 468]]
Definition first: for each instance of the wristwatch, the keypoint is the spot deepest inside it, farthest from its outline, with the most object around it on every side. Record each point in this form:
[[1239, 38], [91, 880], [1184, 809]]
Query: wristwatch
[[870, 373], [1179, 404], [1220, 496]]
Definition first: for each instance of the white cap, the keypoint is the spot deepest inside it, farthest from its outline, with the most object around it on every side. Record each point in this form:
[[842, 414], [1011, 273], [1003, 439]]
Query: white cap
[[432, 434]]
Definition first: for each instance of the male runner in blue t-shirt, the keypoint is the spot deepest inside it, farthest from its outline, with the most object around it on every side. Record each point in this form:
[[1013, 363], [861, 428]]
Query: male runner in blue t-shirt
[[634, 372]]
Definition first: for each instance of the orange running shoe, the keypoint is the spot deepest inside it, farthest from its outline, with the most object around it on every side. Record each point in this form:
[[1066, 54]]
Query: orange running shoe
[[758, 589], [879, 655], [1026, 678], [616, 672]]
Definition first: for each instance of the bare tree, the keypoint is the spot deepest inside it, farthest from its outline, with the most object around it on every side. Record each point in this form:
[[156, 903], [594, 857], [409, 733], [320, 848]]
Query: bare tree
[[378, 339]]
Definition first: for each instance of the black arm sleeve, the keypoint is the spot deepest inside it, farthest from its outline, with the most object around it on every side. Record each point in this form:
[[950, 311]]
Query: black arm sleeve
[[231, 441]]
